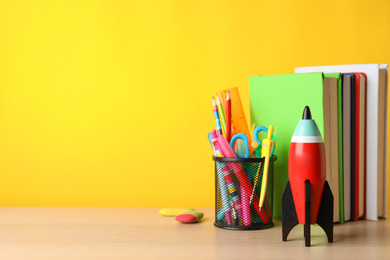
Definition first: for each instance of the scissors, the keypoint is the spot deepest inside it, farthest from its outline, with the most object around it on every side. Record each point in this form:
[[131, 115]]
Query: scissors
[[256, 143], [244, 138]]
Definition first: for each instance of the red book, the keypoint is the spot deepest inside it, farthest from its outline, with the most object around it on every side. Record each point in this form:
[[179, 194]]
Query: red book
[[363, 156], [357, 148]]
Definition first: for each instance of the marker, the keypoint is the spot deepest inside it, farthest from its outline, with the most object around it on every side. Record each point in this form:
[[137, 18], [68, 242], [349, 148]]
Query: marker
[[217, 149]]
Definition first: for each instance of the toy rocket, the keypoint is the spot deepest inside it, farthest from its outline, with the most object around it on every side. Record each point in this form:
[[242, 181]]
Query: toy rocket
[[307, 198]]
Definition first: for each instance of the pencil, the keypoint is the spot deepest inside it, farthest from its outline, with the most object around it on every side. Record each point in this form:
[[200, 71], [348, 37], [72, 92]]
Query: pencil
[[221, 115], [216, 116], [228, 117]]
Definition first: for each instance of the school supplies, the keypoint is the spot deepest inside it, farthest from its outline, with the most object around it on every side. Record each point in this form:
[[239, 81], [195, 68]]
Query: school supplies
[[221, 115], [244, 138], [382, 140], [225, 147], [255, 135], [266, 152], [216, 148], [253, 218], [216, 116], [228, 117], [331, 135], [191, 216], [235, 178], [256, 143], [347, 144]]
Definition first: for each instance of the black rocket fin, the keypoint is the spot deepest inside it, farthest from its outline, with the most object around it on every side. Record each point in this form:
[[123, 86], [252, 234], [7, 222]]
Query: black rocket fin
[[289, 213], [325, 214], [307, 213]]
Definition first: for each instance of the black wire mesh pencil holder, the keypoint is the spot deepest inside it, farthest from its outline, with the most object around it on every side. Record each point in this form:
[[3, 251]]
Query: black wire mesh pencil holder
[[238, 183]]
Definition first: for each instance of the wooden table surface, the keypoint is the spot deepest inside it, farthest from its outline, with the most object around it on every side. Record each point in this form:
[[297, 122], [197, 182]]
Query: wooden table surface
[[141, 233]]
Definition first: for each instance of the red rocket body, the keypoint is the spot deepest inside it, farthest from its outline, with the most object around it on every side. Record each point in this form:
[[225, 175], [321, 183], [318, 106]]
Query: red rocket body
[[307, 162]]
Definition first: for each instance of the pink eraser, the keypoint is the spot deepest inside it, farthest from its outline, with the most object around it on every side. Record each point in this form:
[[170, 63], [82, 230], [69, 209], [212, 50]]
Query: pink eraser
[[189, 216]]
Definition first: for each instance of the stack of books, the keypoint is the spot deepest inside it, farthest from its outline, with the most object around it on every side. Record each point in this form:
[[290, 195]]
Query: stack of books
[[349, 104]]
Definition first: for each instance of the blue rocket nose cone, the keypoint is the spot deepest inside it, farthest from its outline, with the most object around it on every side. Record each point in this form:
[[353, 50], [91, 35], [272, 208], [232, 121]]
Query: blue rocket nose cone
[[306, 113]]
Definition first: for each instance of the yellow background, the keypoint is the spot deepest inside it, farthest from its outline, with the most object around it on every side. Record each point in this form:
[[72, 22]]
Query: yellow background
[[108, 103]]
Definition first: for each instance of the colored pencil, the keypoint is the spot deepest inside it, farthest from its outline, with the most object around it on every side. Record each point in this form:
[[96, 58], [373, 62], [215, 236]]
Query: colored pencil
[[216, 116], [221, 115], [228, 117]]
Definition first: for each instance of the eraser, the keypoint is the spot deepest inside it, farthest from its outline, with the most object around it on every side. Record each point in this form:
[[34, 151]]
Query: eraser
[[189, 216], [172, 212]]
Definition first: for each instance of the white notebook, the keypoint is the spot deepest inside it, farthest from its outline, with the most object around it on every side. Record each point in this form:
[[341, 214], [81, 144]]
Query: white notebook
[[384, 203]]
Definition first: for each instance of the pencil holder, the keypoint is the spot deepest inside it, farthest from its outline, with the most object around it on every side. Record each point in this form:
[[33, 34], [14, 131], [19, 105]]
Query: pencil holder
[[238, 185]]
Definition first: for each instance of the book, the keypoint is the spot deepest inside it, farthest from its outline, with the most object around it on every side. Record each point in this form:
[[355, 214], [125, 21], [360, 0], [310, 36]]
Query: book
[[331, 142], [337, 136], [353, 146], [386, 168], [372, 87], [382, 141], [362, 144], [279, 100], [358, 161], [347, 160]]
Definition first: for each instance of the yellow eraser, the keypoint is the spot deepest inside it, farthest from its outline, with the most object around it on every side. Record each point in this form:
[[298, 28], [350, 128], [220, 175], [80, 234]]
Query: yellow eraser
[[172, 212]]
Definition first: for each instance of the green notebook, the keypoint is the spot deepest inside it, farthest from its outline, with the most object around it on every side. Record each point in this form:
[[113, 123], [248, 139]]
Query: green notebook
[[279, 100]]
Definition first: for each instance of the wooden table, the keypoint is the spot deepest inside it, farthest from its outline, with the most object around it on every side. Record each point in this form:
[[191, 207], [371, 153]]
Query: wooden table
[[141, 233]]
